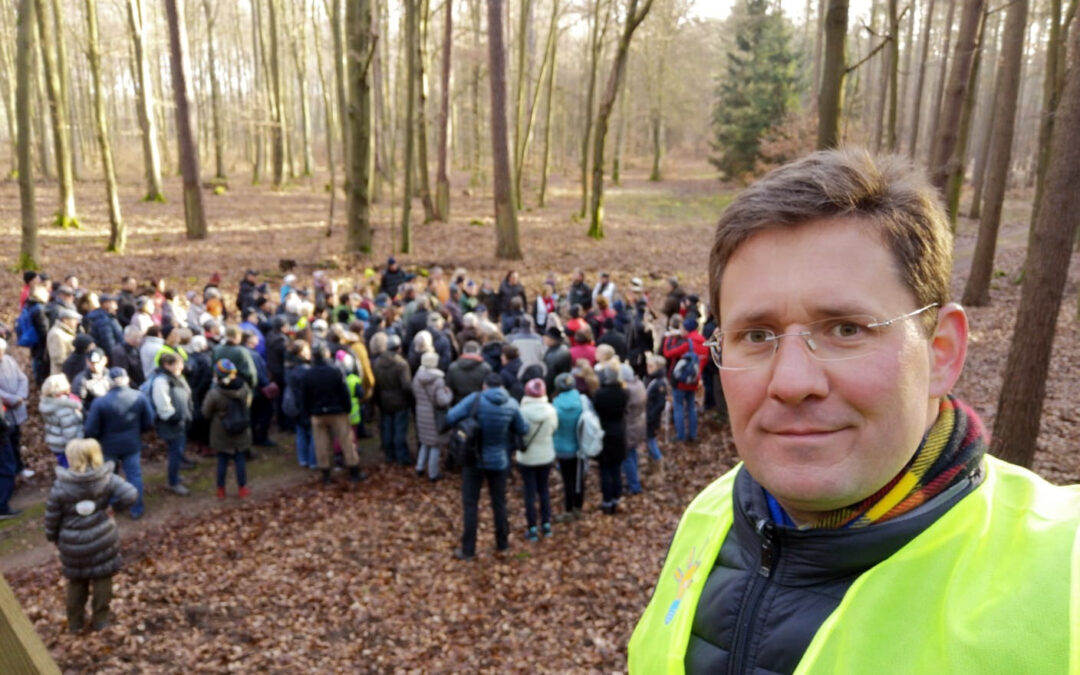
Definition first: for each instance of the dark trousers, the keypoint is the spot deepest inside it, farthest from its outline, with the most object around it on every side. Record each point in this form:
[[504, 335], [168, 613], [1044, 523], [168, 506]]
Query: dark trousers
[[393, 431], [223, 467], [262, 413], [535, 481], [7, 474], [15, 436], [78, 591], [472, 478], [610, 483], [573, 484]]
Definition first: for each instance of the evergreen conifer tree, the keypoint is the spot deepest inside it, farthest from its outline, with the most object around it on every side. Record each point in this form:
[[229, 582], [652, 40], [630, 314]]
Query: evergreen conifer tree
[[759, 88]]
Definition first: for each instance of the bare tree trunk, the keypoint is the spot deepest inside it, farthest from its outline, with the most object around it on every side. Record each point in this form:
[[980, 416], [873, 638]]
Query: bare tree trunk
[[276, 105], [411, 49], [259, 109], [65, 87], [144, 102], [831, 94], [982, 150], [194, 216], [384, 160], [361, 49], [328, 116], [520, 88], [634, 17], [298, 48], [117, 233], [916, 107], [893, 51], [905, 91], [421, 112], [596, 43], [1051, 93], [945, 158], [955, 181], [620, 136], [549, 93], [28, 248], [66, 216], [939, 90], [977, 290], [477, 176], [442, 179], [507, 240], [336, 11], [8, 60], [40, 110], [1016, 426], [522, 149], [215, 94]]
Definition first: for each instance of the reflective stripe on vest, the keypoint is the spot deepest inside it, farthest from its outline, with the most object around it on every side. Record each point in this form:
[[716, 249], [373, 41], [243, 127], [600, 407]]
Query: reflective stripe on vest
[[967, 595]]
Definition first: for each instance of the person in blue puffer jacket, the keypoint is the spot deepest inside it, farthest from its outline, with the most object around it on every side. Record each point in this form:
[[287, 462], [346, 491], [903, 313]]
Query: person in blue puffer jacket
[[499, 418], [567, 404]]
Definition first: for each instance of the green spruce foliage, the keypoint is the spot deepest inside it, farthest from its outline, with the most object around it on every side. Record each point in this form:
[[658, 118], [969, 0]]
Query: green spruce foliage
[[759, 87]]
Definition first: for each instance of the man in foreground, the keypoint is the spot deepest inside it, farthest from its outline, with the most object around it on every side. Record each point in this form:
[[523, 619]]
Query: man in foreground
[[866, 530]]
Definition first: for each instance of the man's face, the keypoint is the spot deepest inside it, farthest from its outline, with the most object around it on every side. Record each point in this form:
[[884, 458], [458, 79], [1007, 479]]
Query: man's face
[[176, 367], [820, 435], [109, 306]]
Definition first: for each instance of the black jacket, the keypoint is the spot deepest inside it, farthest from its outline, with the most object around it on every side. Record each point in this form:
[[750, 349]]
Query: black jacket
[[617, 340], [246, 295], [610, 403], [772, 586], [118, 419], [391, 281], [655, 399], [465, 376], [580, 294], [557, 360], [105, 330], [276, 346], [323, 391], [127, 357]]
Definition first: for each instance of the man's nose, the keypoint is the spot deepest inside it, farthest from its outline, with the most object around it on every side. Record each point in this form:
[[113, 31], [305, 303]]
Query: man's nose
[[794, 373]]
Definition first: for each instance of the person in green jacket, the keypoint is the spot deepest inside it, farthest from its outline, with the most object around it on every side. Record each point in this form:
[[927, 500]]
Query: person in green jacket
[[866, 530]]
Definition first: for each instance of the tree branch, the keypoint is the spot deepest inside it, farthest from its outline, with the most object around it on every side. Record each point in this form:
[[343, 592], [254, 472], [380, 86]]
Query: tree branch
[[886, 40]]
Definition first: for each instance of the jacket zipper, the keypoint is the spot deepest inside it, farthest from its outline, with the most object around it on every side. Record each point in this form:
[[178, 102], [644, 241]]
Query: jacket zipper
[[769, 553]]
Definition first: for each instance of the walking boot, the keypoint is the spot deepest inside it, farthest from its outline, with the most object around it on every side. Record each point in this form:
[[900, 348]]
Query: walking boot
[[356, 475]]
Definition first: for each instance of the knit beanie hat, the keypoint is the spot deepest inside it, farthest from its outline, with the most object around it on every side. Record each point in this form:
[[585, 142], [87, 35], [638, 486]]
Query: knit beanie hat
[[429, 360], [564, 382], [535, 388], [224, 369], [690, 324]]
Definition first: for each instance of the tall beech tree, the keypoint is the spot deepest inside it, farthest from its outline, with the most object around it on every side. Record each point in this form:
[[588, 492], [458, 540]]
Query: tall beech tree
[[634, 17], [117, 233], [442, 178], [358, 19], [28, 248], [833, 72], [1019, 409], [411, 36], [507, 239], [215, 91], [188, 147], [58, 113], [144, 102]]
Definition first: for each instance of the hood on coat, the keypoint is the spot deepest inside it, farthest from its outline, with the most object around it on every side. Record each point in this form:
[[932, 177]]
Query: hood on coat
[[496, 395], [470, 364], [239, 392], [426, 376], [88, 476], [82, 342], [534, 408]]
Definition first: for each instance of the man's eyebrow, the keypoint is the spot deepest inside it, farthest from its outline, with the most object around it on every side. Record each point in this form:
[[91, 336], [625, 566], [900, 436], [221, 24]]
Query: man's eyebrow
[[766, 316]]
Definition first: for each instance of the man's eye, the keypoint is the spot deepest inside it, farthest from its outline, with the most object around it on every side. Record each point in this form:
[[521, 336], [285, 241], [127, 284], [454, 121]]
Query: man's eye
[[755, 336], [846, 329]]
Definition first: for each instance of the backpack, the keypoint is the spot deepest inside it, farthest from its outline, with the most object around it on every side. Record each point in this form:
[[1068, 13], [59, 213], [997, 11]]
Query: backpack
[[147, 390], [688, 369], [236, 419], [590, 435], [25, 329], [289, 406], [464, 440]]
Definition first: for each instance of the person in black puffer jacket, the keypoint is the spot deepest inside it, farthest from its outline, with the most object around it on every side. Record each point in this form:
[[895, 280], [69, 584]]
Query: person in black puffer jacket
[[467, 374], [76, 361], [199, 373], [77, 520], [610, 402]]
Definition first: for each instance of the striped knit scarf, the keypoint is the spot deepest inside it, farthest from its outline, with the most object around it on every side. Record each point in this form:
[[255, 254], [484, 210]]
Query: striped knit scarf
[[949, 453]]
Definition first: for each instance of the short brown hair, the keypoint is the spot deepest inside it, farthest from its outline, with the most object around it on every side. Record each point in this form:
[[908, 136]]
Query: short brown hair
[[888, 192]]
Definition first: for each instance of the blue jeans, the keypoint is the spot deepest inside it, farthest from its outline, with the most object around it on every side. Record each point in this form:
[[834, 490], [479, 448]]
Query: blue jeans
[[305, 446], [654, 449], [535, 481], [685, 407], [176, 454], [131, 465], [428, 457], [630, 469], [393, 428], [223, 468], [7, 473]]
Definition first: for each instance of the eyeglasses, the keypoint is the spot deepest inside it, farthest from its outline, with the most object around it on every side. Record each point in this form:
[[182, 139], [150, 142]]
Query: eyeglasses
[[834, 339]]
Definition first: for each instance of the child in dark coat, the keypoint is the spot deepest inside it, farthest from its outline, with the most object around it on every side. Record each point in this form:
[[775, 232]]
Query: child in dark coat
[[77, 520]]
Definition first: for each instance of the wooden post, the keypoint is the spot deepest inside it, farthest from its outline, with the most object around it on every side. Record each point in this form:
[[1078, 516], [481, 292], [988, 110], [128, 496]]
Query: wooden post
[[21, 650]]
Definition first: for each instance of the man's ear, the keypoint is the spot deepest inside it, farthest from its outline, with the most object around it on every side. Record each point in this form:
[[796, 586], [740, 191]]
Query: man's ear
[[948, 349]]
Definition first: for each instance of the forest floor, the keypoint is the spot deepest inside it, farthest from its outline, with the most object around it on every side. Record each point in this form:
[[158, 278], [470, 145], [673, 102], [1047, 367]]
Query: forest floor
[[304, 579]]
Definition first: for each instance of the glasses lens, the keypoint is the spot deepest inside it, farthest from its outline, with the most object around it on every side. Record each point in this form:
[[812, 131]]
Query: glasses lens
[[844, 337]]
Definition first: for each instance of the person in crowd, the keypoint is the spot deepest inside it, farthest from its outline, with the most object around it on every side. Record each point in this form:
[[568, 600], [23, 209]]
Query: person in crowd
[[510, 370], [199, 373], [536, 457], [604, 288], [567, 404], [441, 340], [433, 398], [579, 295], [262, 405], [467, 374], [640, 340], [420, 345], [248, 292], [62, 415], [610, 401], [353, 341], [416, 321], [104, 326], [61, 339], [452, 308], [557, 358], [150, 348], [514, 312], [14, 392], [144, 318], [585, 378], [491, 345], [685, 387], [117, 421], [234, 350], [78, 521], [81, 346], [545, 305], [250, 324], [616, 338], [7, 470], [126, 301], [63, 298], [656, 390], [93, 380], [509, 288], [470, 329], [583, 347], [296, 366], [674, 298], [393, 394], [277, 347], [173, 405], [31, 280], [529, 343], [866, 528], [37, 334], [499, 417], [324, 398], [605, 356], [127, 355], [635, 426], [227, 407], [393, 277]]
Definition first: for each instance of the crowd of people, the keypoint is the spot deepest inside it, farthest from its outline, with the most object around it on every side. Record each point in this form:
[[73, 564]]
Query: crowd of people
[[211, 377]]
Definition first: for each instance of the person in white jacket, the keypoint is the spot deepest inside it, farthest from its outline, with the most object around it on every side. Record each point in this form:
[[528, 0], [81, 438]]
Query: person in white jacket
[[538, 456], [14, 390]]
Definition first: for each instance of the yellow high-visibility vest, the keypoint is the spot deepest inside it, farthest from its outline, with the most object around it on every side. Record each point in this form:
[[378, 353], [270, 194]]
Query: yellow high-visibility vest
[[993, 586]]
